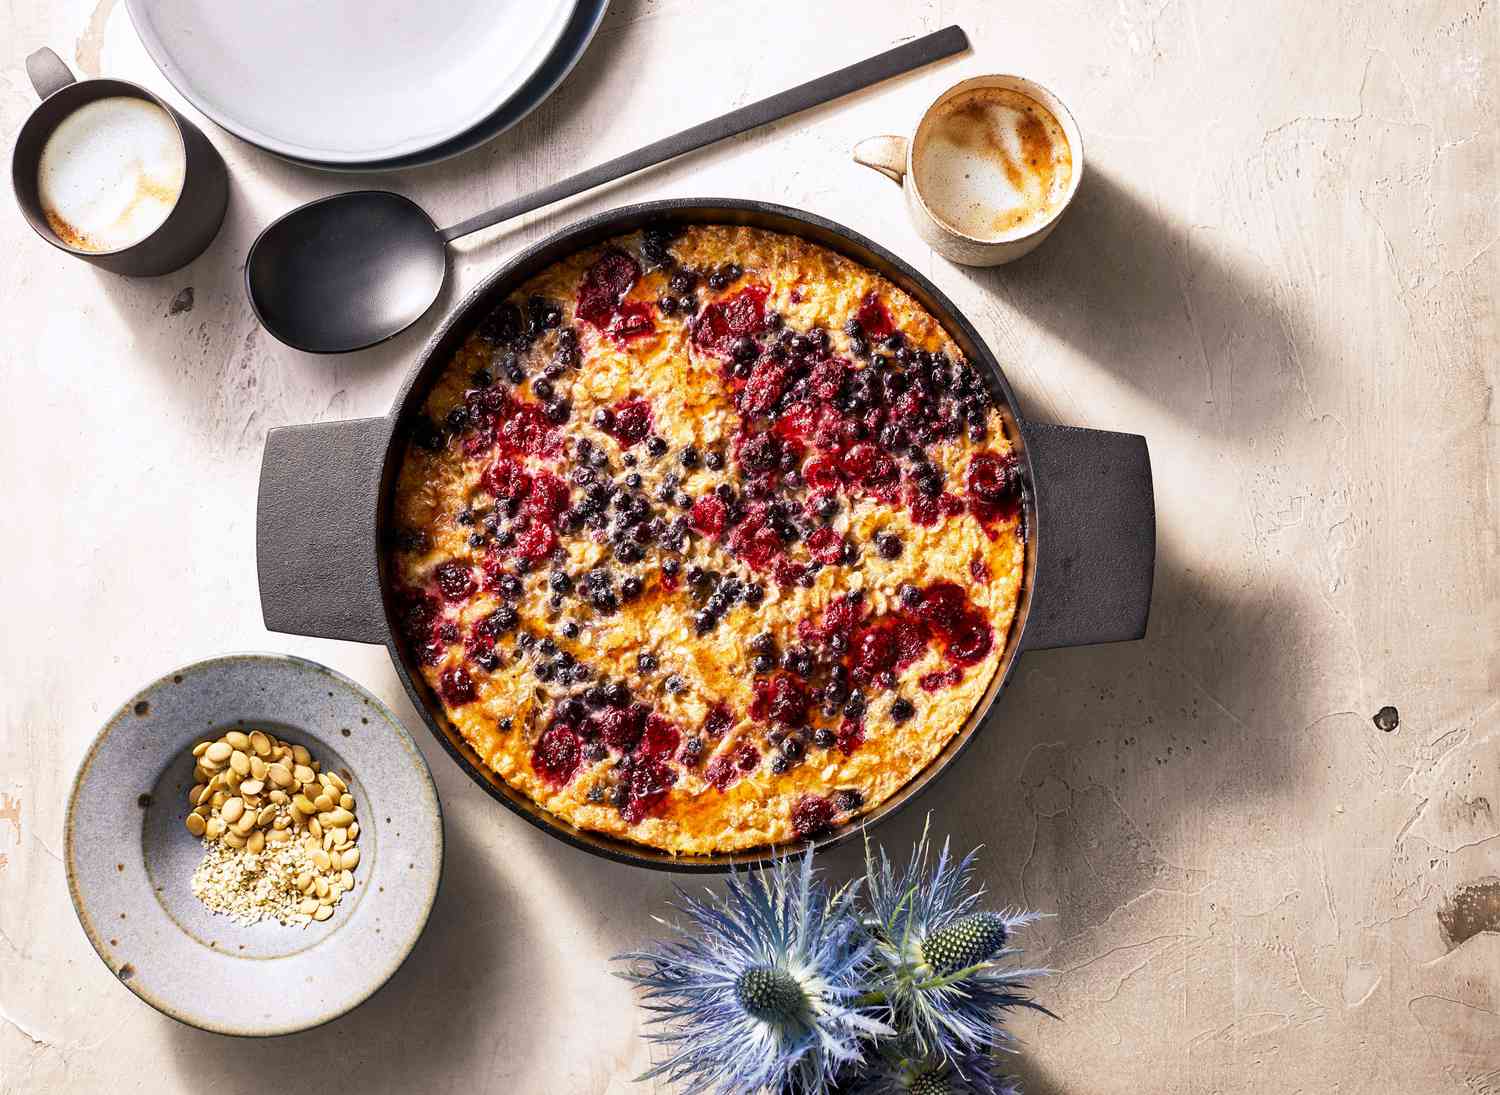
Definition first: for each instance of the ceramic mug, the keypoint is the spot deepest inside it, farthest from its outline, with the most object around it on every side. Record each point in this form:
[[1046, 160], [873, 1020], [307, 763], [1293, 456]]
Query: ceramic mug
[[199, 209], [893, 156]]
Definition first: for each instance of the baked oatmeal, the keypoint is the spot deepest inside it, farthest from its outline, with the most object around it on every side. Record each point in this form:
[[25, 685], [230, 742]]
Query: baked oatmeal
[[708, 539]]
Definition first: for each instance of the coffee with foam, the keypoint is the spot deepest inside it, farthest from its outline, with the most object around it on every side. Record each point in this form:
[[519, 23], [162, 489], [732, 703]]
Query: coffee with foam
[[111, 173], [993, 164]]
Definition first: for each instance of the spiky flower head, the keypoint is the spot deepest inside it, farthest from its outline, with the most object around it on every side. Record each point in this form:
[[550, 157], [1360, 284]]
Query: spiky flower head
[[942, 966], [759, 991], [895, 1072]]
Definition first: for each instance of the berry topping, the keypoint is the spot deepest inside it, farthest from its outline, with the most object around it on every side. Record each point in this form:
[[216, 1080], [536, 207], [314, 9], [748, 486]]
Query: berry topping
[[630, 422], [873, 318], [604, 287], [725, 321], [455, 580], [709, 514], [649, 781], [457, 686], [812, 815], [556, 755]]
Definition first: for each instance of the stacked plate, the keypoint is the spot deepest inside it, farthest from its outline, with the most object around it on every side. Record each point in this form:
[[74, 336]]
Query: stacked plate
[[366, 85]]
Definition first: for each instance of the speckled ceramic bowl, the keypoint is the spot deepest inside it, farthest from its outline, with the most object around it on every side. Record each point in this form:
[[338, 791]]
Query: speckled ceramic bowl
[[130, 858]]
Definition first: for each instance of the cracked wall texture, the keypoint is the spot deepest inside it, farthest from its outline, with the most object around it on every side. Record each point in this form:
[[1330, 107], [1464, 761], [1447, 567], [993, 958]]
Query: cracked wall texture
[[1281, 268]]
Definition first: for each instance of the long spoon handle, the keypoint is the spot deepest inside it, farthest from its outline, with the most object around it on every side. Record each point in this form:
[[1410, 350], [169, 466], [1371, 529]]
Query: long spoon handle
[[893, 62]]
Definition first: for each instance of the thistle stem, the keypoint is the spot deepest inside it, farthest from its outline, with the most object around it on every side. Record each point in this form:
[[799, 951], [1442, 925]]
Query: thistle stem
[[879, 996]]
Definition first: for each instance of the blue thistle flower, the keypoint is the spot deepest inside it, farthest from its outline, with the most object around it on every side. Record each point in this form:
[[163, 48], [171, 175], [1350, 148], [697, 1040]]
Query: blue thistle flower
[[941, 966], [763, 992], [895, 1072]]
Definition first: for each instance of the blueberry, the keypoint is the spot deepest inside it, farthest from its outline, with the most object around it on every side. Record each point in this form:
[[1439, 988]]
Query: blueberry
[[560, 582], [670, 568], [763, 663], [633, 480], [646, 662], [764, 643], [683, 282], [616, 694], [543, 389], [754, 594], [713, 460], [505, 724], [655, 446], [596, 697], [911, 596], [558, 411], [667, 305], [902, 709], [744, 350], [572, 710], [705, 621], [854, 706], [690, 457], [847, 800], [692, 752], [604, 419], [824, 738], [797, 661], [674, 684], [780, 763], [631, 588], [889, 545], [570, 630]]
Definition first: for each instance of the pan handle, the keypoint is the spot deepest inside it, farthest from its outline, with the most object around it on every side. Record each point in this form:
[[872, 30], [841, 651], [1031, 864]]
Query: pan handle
[[1095, 536], [315, 550]]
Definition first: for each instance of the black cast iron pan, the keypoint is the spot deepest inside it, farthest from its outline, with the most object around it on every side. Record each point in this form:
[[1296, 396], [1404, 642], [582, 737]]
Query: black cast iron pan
[[326, 489]]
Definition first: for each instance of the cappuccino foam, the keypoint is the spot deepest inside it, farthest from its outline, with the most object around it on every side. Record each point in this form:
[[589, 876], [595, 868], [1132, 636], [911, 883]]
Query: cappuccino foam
[[111, 173], [993, 163]]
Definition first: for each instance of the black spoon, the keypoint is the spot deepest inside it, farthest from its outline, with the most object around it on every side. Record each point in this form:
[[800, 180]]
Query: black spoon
[[354, 269]]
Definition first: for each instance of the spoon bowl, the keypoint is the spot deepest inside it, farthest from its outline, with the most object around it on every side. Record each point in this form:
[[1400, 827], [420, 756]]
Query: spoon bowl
[[347, 271]]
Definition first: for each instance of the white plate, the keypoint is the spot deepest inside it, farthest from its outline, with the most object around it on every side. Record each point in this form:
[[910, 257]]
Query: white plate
[[345, 82]]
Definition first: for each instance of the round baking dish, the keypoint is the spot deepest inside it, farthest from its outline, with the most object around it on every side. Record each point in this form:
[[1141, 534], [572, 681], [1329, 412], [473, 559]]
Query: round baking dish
[[326, 489]]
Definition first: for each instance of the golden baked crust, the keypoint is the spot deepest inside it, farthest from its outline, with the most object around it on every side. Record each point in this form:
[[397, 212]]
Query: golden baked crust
[[709, 539]]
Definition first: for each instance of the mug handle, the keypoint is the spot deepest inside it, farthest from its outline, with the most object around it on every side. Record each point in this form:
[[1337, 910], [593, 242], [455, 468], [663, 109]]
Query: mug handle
[[885, 154], [48, 73]]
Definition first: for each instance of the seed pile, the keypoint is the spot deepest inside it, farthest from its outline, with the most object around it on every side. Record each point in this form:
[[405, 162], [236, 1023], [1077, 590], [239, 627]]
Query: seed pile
[[279, 833]]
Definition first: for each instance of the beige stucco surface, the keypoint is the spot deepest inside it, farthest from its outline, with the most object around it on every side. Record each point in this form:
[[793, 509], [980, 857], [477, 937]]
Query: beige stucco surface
[[1281, 268]]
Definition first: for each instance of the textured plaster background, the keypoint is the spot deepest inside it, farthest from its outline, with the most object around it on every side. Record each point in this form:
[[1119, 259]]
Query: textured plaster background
[[1281, 268]]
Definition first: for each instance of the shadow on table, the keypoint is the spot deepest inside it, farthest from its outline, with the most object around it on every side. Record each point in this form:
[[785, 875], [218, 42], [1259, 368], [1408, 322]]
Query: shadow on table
[[434, 1008], [1171, 311], [1094, 754]]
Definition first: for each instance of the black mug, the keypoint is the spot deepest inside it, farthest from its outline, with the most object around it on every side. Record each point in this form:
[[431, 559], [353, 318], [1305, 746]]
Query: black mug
[[194, 220]]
